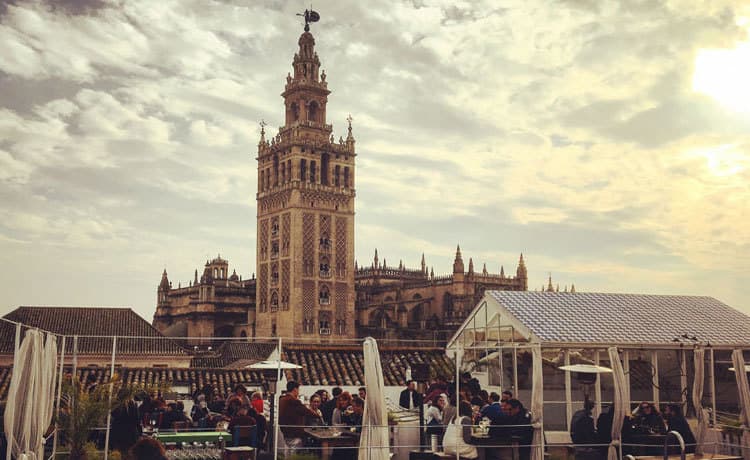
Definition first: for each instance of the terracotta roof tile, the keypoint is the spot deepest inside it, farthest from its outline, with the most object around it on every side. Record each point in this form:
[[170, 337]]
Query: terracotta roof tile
[[102, 322], [345, 366]]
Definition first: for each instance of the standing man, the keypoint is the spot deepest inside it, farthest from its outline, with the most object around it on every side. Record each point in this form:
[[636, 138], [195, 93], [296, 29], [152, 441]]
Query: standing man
[[410, 398], [292, 416], [327, 407]]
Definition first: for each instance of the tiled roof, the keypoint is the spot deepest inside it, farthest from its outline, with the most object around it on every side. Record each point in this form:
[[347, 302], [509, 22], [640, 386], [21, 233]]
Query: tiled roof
[[625, 318], [324, 366], [222, 379], [235, 354], [102, 322], [345, 366]]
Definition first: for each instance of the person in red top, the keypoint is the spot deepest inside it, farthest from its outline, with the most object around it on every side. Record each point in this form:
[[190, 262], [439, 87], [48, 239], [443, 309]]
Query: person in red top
[[257, 401], [292, 415]]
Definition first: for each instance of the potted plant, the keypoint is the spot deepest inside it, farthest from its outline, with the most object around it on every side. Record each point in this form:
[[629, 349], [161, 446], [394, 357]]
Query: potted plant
[[81, 410]]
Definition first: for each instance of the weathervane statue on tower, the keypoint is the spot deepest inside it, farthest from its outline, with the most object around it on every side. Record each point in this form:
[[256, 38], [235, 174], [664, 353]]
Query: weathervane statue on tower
[[310, 16]]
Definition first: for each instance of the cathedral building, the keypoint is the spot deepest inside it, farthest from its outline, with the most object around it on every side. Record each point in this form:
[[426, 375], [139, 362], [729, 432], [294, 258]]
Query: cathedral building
[[308, 284]]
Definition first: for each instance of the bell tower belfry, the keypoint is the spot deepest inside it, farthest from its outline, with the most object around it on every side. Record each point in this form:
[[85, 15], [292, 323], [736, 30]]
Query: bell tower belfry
[[305, 213]]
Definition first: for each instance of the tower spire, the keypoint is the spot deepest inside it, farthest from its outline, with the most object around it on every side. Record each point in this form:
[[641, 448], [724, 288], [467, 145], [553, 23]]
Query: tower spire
[[458, 262], [164, 284], [521, 273], [424, 266]]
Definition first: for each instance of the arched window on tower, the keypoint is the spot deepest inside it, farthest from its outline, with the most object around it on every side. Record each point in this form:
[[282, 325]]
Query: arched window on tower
[[325, 268], [295, 111], [312, 172], [312, 112], [274, 301], [336, 173], [324, 169], [303, 170], [346, 177], [324, 296], [275, 170]]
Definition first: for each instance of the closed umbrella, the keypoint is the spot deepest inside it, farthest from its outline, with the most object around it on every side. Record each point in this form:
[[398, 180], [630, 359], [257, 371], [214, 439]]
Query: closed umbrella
[[620, 399], [743, 391], [374, 443], [700, 412], [28, 412], [537, 404]]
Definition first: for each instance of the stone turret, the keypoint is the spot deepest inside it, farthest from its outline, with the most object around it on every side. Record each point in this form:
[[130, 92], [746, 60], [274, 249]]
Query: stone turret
[[521, 273], [458, 262]]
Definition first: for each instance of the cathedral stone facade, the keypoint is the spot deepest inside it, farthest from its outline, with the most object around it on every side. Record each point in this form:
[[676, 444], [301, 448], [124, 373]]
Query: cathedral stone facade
[[402, 303], [308, 284]]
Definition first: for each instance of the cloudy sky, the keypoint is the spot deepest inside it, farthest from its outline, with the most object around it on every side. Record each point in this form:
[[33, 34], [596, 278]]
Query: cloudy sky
[[608, 141]]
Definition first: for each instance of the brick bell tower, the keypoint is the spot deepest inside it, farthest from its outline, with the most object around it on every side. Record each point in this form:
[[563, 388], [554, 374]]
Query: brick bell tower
[[305, 220]]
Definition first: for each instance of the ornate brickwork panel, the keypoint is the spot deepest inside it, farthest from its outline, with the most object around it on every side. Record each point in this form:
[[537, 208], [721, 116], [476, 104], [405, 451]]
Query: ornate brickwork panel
[[325, 226], [285, 229], [340, 247], [340, 300], [308, 244], [285, 284], [263, 288], [263, 239], [309, 298]]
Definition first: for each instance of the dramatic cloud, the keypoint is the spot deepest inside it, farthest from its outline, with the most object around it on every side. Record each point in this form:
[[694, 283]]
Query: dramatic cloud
[[608, 141]]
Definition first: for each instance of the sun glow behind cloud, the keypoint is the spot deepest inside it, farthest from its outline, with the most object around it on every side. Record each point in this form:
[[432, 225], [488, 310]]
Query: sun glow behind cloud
[[724, 74]]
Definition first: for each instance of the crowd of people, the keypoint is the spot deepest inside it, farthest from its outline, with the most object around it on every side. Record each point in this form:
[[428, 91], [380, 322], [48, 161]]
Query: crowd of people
[[154, 413], [450, 416], [640, 430]]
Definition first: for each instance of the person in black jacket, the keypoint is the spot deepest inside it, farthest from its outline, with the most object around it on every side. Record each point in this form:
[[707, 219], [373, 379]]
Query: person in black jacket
[[125, 427], [677, 422], [583, 432], [327, 407], [410, 397]]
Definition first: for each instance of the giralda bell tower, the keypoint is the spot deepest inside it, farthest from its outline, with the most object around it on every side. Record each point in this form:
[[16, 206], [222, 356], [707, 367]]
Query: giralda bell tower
[[305, 241]]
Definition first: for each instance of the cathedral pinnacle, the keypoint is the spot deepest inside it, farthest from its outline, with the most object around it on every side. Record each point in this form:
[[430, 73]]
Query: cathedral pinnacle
[[550, 288], [262, 132], [349, 136], [471, 266], [164, 284], [424, 266], [458, 262]]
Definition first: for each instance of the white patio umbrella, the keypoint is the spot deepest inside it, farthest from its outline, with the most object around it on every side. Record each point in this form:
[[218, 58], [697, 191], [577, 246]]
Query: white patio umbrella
[[701, 413], [743, 391], [273, 365], [374, 442], [586, 369], [620, 399], [28, 413], [537, 404]]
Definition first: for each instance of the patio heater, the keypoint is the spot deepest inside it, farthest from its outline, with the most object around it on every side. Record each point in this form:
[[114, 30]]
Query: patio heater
[[272, 373], [585, 375]]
